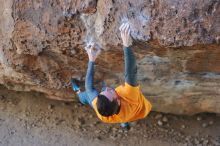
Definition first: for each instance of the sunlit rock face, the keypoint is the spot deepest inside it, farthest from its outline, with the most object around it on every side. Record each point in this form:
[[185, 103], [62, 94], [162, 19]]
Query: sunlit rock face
[[176, 44]]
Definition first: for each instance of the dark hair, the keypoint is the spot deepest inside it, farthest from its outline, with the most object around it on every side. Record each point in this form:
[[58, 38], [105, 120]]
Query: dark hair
[[105, 107]]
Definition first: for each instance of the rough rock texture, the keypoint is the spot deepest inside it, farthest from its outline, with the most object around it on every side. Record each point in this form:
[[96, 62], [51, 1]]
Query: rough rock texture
[[176, 44]]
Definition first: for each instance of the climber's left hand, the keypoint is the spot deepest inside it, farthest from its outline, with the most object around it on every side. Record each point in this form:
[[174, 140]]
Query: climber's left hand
[[92, 51]]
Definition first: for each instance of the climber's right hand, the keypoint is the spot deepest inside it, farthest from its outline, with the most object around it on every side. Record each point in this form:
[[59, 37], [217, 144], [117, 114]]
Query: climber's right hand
[[125, 34]]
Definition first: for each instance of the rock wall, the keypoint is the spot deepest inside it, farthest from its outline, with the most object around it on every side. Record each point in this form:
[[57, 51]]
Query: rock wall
[[176, 44]]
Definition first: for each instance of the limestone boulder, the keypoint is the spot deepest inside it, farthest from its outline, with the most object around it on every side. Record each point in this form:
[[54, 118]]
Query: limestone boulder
[[176, 44]]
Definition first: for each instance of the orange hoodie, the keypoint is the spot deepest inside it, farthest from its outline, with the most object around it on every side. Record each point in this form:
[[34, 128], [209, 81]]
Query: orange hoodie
[[134, 105]]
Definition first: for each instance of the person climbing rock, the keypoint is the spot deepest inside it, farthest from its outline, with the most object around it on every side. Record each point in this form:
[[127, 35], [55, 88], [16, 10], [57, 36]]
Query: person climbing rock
[[123, 104]]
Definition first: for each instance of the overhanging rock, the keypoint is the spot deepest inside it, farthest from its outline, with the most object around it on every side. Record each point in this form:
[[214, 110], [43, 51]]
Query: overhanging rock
[[176, 44]]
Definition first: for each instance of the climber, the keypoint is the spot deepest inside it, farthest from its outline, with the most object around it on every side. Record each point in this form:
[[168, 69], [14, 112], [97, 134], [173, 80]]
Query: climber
[[123, 104]]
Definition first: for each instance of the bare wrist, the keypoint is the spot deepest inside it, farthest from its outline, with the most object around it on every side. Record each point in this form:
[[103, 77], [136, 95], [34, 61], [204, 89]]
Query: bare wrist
[[92, 59]]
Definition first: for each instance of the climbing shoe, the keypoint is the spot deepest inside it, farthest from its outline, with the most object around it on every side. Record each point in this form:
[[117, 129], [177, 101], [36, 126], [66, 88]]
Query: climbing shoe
[[74, 85], [125, 126]]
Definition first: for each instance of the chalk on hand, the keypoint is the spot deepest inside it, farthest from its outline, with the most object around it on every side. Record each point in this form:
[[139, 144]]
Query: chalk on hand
[[124, 26]]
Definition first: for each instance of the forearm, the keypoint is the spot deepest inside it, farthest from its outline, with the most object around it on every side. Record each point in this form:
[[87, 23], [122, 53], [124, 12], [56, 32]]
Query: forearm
[[130, 67], [89, 76]]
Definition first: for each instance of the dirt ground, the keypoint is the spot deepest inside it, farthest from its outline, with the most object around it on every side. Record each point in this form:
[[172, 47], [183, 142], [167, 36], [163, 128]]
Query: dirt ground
[[29, 119]]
